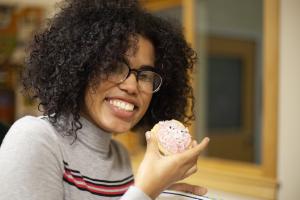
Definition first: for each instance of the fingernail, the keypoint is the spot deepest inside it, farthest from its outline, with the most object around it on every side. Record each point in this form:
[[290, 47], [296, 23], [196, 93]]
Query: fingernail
[[148, 135], [207, 139]]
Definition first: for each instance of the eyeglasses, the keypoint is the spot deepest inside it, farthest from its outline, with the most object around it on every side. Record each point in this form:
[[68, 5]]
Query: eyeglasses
[[148, 80]]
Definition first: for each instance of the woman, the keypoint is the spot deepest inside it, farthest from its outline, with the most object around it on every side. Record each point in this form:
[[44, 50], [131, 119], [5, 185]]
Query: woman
[[100, 67]]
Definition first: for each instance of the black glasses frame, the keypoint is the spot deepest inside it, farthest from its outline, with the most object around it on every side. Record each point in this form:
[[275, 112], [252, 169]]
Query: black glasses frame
[[137, 73]]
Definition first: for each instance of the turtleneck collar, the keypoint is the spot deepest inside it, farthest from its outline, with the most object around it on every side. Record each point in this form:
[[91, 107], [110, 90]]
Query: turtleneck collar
[[94, 137]]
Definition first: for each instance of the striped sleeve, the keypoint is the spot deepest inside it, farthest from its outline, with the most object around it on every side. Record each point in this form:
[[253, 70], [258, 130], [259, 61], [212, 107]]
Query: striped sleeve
[[106, 188]]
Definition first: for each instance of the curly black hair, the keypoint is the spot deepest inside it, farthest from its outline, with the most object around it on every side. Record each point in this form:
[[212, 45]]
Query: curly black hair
[[82, 41]]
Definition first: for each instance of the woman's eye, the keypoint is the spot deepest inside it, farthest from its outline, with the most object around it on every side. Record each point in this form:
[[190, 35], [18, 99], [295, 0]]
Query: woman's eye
[[146, 77]]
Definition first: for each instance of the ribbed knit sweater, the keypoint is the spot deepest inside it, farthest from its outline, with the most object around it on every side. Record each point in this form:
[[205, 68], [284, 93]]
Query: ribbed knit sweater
[[37, 161]]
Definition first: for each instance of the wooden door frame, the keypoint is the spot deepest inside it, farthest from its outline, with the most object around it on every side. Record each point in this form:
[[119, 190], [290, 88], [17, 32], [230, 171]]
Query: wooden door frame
[[242, 136]]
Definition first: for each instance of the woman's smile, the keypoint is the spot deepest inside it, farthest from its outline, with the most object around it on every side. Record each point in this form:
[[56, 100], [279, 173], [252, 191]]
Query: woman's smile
[[121, 108], [121, 105]]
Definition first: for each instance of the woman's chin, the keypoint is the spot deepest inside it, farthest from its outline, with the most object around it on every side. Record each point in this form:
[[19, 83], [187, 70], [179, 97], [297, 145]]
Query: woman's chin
[[118, 127]]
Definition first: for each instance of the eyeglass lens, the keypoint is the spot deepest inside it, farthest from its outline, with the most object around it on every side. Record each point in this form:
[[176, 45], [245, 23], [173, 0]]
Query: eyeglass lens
[[148, 81]]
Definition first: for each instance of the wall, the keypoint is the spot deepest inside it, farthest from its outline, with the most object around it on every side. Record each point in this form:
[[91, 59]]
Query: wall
[[30, 2], [289, 101], [49, 5]]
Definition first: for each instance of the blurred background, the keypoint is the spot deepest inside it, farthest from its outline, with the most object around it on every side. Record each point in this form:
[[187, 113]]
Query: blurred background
[[246, 84]]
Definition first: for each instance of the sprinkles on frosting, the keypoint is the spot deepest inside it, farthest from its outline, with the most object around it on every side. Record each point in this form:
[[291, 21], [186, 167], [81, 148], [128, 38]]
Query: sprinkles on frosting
[[173, 136]]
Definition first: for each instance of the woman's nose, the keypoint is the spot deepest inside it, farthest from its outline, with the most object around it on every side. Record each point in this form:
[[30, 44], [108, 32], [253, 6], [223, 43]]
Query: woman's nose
[[130, 85]]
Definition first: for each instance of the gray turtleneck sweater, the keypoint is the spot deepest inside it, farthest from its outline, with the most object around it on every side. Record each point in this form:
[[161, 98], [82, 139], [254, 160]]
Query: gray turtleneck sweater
[[39, 162]]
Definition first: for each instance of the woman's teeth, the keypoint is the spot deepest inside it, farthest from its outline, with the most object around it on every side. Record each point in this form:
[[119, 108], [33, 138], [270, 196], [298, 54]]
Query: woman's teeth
[[122, 105]]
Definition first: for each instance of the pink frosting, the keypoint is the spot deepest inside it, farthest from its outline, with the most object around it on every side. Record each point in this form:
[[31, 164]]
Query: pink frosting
[[173, 136]]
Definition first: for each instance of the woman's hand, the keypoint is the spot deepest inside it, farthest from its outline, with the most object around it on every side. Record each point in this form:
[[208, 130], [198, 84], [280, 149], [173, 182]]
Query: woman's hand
[[157, 172]]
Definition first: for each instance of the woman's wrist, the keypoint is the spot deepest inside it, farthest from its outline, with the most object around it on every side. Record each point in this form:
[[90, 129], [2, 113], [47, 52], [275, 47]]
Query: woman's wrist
[[148, 189]]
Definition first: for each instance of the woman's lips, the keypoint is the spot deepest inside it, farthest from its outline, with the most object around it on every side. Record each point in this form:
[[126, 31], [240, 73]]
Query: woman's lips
[[121, 108]]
